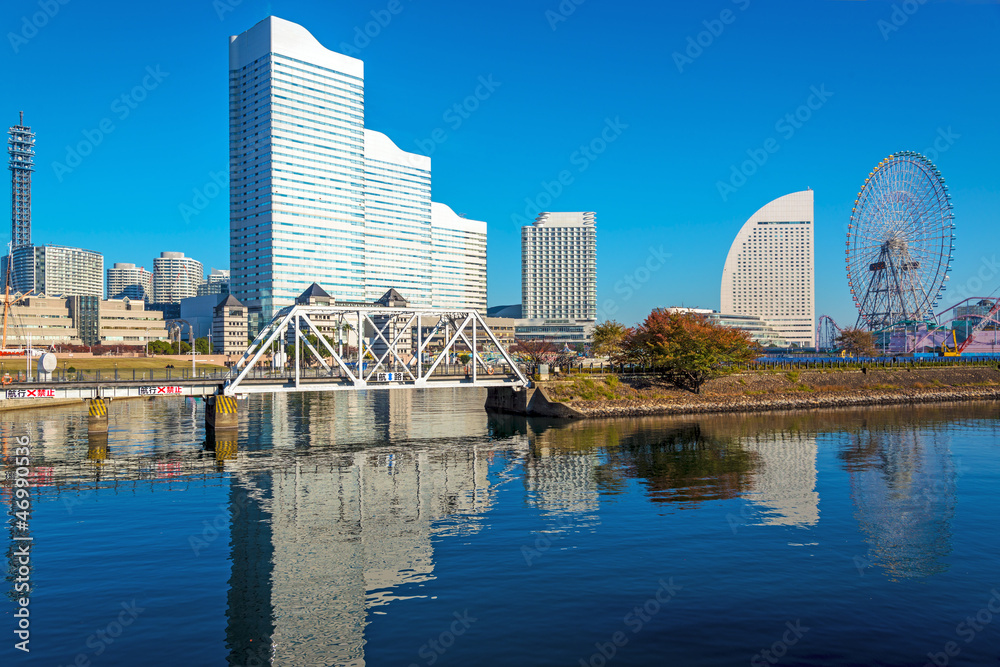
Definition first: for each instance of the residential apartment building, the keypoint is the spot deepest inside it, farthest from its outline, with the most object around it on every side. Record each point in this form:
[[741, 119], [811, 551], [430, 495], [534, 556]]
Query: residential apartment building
[[129, 281], [176, 277], [217, 283], [56, 270]]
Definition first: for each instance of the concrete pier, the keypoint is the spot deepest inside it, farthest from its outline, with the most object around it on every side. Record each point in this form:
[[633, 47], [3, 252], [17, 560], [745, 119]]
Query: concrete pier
[[97, 421], [530, 402], [221, 413]]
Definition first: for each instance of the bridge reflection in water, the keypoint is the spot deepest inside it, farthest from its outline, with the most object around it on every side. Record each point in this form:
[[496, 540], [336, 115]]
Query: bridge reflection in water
[[336, 501]]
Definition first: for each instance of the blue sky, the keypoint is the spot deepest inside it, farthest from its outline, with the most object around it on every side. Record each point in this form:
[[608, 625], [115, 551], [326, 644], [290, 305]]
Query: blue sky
[[892, 77]]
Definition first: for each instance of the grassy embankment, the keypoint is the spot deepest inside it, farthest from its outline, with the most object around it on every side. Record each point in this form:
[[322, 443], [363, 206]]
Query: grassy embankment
[[772, 382]]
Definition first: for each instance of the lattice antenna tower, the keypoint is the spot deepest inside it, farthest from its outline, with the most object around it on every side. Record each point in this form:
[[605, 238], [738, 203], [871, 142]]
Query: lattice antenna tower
[[21, 146]]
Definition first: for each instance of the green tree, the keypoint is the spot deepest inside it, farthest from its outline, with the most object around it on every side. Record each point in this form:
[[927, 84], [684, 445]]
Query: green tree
[[856, 342], [689, 349], [180, 347], [609, 340], [160, 347], [463, 357], [201, 346]]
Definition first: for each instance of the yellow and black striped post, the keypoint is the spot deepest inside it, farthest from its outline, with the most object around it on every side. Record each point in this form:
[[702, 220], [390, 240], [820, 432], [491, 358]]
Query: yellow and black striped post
[[97, 446], [221, 413], [97, 421]]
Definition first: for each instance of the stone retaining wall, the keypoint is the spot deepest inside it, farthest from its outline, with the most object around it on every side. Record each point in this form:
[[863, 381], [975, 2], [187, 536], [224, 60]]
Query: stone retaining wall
[[787, 390]]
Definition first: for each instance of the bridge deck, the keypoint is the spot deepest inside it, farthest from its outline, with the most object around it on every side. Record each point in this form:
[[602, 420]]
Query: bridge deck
[[211, 386]]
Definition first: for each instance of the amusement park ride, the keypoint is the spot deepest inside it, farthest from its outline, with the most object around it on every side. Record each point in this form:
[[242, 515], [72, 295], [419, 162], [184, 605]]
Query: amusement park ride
[[900, 245]]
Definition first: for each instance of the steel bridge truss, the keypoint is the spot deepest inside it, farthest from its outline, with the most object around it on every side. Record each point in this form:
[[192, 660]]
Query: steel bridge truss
[[375, 361]]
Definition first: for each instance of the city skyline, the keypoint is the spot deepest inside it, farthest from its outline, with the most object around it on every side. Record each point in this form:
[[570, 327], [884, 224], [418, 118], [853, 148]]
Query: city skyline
[[817, 121]]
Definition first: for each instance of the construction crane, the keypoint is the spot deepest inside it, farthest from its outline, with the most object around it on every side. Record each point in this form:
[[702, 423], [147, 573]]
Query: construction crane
[[960, 348]]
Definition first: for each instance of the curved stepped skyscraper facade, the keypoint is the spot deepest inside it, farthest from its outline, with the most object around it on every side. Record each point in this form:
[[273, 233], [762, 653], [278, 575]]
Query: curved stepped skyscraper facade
[[769, 272]]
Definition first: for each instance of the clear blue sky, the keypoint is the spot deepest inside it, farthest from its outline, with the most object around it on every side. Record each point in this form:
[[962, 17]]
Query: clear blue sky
[[560, 83]]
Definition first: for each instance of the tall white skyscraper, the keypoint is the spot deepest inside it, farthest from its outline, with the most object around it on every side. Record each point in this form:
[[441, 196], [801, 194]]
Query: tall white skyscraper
[[559, 267], [458, 260], [315, 197], [129, 280], [176, 277], [769, 269], [397, 221]]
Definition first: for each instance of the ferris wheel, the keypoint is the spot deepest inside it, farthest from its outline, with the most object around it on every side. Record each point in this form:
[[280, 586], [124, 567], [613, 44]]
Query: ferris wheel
[[900, 242]]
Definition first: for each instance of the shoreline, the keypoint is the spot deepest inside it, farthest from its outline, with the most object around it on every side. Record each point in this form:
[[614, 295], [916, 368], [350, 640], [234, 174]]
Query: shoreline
[[779, 402], [584, 397]]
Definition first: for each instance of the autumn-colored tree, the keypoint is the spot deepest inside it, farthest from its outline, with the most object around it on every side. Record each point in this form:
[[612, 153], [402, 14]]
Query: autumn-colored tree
[[690, 349], [609, 340], [856, 342]]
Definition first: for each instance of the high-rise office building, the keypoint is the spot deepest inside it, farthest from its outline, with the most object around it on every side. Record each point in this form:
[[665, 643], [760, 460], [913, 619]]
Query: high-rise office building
[[317, 198], [559, 267], [129, 280], [56, 270], [398, 245], [21, 146], [458, 260], [176, 277], [769, 269]]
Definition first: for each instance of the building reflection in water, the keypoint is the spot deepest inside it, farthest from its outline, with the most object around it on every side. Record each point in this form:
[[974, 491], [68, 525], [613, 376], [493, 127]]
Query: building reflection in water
[[784, 483], [322, 540], [903, 487]]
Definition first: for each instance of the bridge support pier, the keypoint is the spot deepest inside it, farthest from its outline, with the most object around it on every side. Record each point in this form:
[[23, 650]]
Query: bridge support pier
[[221, 413], [530, 402], [97, 421]]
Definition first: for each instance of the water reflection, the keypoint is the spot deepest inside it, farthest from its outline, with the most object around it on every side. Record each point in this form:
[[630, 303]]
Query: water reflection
[[903, 487], [338, 503], [330, 537]]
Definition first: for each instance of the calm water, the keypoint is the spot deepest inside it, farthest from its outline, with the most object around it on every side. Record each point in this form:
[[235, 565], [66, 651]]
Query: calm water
[[396, 528]]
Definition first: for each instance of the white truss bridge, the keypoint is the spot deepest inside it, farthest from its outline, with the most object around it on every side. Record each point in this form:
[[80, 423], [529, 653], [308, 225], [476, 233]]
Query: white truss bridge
[[386, 348]]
